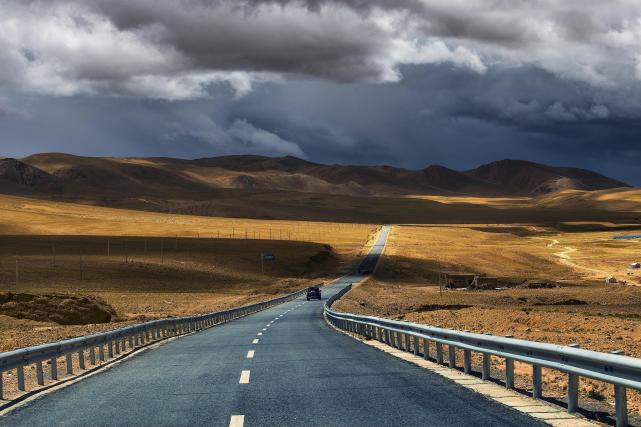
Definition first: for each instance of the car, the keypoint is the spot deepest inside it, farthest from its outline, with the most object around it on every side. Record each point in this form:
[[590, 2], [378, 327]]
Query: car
[[313, 292], [363, 271]]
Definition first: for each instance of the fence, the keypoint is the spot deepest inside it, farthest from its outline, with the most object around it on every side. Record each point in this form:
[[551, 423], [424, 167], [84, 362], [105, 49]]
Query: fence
[[621, 371], [97, 348]]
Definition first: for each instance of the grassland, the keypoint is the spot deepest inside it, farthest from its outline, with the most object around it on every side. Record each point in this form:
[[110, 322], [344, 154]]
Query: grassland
[[582, 310], [150, 265]]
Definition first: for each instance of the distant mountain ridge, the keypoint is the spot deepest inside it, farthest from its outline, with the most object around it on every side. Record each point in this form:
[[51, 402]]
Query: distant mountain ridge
[[68, 175]]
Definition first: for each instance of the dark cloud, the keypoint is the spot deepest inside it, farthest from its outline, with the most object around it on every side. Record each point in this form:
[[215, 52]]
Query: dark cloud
[[436, 115]]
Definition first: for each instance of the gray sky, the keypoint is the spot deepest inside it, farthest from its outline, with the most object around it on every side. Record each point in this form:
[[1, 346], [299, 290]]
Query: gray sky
[[403, 82]]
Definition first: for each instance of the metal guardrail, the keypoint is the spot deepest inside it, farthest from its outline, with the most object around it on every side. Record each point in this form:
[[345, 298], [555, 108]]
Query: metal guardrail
[[107, 345], [621, 371]]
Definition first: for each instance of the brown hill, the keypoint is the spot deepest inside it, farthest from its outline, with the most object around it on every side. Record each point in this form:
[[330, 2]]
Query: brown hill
[[220, 185], [528, 178]]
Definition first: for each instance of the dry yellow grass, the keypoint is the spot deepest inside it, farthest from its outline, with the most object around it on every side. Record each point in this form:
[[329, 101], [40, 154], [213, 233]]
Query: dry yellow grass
[[149, 265]]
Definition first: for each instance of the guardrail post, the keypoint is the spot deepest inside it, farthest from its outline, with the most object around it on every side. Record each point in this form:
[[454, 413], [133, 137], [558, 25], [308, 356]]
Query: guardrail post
[[573, 389], [54, 368], [40, 375], [110, 349], [101, 352], [621, 405], [620, 401], [406, 341], [426, 349], [388, 337], [439, 352], [537, 383], [467, 361], [20, 375], [509, 370], [415, 340], [81, 359], [69, 363], [509, 373], [485, 370], [451, 353], [1, 395], [92, 355]]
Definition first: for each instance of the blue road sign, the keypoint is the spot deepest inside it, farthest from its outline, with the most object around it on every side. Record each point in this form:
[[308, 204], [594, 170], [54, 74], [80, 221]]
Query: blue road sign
[[269, 257]]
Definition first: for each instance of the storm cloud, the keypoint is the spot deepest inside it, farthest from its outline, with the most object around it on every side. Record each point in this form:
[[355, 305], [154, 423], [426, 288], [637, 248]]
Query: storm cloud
[[408, 82]]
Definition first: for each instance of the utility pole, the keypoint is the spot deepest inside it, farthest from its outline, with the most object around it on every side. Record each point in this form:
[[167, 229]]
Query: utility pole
[[17, 273]]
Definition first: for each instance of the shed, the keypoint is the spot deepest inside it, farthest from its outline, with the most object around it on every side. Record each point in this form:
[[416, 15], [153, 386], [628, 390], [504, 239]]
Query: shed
[[458, 280], [635, 265], [611, 280]]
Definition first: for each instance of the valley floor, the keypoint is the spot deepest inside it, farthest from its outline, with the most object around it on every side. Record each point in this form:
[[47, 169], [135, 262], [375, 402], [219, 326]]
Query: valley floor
[[150, 265]]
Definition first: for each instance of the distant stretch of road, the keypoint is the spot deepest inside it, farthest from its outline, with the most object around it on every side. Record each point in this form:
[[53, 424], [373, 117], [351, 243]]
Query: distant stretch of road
[[280, 367]]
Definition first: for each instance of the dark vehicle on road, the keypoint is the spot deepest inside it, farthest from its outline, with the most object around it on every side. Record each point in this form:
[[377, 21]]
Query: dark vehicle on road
[[313, 292], [363, 271]]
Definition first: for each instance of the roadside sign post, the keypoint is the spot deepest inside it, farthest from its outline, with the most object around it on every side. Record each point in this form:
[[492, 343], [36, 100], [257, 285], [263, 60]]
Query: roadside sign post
[[265, 257]]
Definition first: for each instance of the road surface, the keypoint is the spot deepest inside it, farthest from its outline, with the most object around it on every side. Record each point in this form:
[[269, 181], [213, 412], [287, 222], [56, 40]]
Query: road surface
[[280, 367]]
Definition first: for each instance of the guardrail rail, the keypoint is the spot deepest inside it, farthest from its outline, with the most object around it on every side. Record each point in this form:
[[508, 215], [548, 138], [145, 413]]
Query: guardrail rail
[[77, 353], [621, 371]]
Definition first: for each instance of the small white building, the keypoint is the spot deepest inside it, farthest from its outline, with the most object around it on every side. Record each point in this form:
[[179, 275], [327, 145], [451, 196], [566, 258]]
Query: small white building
[[611, 280], [635, 265]]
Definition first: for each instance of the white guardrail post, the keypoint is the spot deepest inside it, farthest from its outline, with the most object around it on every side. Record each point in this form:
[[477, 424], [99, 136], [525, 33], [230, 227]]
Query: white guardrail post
[[621, 371], [116, 342]]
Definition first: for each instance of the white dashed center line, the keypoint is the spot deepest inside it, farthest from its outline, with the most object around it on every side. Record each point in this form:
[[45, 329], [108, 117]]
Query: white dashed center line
[[250, 354], [255, 341], [260, 333], [264, 329], [237, 421], [244, 377]]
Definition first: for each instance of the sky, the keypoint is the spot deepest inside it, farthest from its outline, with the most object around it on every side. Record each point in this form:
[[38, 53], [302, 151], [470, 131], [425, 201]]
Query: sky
[[403, 82]]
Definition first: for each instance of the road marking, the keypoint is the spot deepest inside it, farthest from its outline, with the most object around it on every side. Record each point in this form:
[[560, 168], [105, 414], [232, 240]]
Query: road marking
[[250, 354], [260, 333], [255, 341], [237, 421], [264, 329], [244, 377]]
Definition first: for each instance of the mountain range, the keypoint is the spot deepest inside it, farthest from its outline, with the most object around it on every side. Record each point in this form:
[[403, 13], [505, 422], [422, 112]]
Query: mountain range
[[67, 175]]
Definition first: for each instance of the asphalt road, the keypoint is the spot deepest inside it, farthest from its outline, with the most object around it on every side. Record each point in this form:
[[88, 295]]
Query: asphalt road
[[280, 367]]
